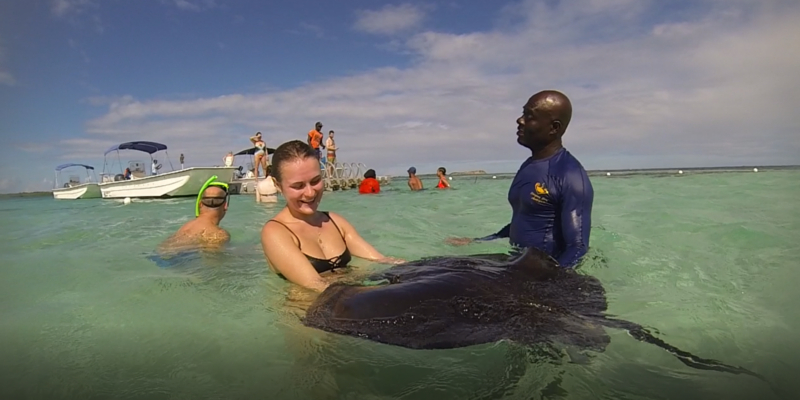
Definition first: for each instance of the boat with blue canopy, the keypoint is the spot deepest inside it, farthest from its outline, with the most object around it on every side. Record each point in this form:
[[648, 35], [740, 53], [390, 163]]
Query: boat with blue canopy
[[136, 180], [74, 188]]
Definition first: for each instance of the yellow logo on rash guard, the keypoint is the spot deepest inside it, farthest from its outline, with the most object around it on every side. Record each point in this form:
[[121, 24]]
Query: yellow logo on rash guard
[[539, 191]]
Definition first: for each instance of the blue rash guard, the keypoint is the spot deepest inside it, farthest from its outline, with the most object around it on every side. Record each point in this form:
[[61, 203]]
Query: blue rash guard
[[551, 201]]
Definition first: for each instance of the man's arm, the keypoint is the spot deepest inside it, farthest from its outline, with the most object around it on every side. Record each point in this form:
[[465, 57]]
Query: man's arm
[[576, 219], [502, 233]]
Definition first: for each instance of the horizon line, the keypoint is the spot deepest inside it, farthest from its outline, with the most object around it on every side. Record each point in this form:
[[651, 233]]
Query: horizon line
[[727, 168]]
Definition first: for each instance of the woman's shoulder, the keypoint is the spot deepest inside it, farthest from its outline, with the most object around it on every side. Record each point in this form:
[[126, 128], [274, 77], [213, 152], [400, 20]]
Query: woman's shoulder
[[275, 225], [337, 219]]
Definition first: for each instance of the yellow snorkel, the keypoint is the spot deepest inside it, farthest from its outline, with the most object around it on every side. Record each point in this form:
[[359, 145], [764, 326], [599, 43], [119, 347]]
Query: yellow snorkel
[[209, 182]]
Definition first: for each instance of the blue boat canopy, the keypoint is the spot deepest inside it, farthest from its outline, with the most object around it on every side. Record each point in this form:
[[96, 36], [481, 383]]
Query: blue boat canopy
[[147, 147], [62, 166]]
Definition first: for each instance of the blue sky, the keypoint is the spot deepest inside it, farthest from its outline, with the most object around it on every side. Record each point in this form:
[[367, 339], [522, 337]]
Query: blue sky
[[653, 83]]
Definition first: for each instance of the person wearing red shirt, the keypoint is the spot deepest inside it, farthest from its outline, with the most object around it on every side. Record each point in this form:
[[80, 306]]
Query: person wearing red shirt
[[369, 185]]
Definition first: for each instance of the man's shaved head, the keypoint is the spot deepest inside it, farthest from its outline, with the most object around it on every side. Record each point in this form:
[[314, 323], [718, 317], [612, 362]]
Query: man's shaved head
[[214, 192], [554, 104], [544, 120], [213, 199]]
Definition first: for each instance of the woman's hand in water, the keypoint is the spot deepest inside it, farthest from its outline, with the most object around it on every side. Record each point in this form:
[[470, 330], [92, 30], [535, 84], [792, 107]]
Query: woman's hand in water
[[390, 260]]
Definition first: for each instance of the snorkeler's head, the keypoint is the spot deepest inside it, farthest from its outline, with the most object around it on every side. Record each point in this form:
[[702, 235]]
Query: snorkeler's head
[[213, 197]]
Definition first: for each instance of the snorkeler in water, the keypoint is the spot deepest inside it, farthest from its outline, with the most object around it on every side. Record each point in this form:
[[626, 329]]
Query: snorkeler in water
[[203, 231]]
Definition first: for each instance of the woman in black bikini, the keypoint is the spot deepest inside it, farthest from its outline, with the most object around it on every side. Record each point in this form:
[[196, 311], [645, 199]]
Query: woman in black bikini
[[301, 243]]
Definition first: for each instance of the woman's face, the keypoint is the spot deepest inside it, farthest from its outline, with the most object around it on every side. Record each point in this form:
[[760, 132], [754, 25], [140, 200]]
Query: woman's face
[[302, 185]]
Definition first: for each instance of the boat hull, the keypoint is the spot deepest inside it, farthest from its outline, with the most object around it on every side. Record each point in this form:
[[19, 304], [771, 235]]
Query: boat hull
[[182, 183], [243, 186], [82, 191]]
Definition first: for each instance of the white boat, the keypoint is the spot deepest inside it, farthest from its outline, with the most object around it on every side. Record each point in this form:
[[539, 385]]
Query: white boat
[[74, 189], [135, 183]]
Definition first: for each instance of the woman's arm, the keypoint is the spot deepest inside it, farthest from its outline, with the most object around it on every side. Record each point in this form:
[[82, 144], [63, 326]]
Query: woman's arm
[[357, 245], [284, 256]]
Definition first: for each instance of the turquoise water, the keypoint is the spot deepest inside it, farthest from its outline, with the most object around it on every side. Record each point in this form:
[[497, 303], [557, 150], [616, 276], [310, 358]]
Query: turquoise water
[[709, 260]]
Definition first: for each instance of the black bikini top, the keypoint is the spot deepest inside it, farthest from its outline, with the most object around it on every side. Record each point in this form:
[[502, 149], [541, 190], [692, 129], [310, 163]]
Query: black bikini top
[[322, 265]]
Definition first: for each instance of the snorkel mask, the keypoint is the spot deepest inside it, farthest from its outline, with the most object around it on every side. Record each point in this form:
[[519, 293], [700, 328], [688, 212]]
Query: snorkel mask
[[209, 182]]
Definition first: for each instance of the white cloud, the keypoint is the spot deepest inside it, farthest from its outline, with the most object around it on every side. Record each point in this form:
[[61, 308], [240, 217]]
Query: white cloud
[[71, 10], [62, 8], [33, 147], [198, 5], [6, 78], [720, 84], [390, 19], [305, 28]]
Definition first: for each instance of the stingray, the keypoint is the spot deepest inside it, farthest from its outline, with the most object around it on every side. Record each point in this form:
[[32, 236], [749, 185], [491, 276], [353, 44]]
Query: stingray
[[451, 302]]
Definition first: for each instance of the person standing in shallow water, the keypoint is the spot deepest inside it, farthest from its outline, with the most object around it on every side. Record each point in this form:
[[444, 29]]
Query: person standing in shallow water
[[303, 244], [370, 184], [266, 189], [551, 195], [413, 180], [442, 174]]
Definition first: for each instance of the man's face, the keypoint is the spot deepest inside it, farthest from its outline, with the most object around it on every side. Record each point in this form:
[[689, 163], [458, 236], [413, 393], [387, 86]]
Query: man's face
[[318, 127], [534, 127]]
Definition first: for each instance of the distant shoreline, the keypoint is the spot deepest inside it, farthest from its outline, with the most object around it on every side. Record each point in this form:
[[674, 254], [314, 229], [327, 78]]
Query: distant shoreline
[[25, 194], [643, 171], [594, 172]]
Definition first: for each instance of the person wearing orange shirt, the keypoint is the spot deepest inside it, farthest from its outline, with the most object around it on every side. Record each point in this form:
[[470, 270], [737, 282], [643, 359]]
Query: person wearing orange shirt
[[315, 138], [369, 185]]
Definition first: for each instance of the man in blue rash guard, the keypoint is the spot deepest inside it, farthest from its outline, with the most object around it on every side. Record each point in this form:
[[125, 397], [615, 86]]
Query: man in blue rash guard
[[551, 196]]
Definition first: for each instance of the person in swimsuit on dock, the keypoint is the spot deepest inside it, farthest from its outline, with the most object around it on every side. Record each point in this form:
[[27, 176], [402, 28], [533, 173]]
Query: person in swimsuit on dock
[[330, 143], [301, 243], [204, 231], [315, 139], [551, 196], [260, 156]]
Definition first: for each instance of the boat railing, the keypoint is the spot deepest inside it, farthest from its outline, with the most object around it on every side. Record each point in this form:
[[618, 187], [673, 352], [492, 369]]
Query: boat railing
[[343, 176], [74, 180], [340, 176]]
